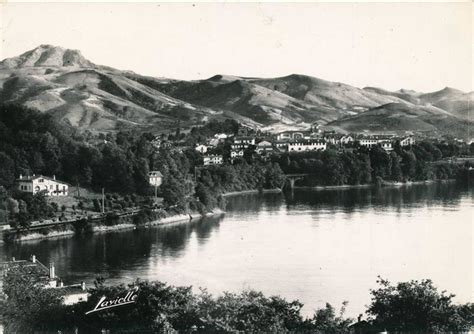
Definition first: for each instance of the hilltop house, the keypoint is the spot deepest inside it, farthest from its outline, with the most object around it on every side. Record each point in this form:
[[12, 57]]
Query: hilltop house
[[36, 183]]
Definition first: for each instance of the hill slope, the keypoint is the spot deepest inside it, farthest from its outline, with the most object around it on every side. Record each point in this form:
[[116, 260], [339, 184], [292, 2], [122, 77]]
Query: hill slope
[[402, 117], [89, 96]]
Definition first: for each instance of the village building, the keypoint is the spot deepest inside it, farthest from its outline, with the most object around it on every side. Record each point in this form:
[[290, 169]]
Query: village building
[[408, 141], [155, 178], [281, 145], [221, 136], [292, 135], [36, 183], [213, 159], [213, 142], [236, 153], [244, 140], [201, 148], [46, 278], [264, 147], [306, 145], [368, 142], [386, 145], [345, 140]]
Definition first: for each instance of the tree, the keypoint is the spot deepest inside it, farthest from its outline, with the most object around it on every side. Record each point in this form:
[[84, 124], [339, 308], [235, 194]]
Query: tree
[[325, 320], [395, 168], [7, 170], [380, 162], [29, 306], [175, 192], [417, 306]]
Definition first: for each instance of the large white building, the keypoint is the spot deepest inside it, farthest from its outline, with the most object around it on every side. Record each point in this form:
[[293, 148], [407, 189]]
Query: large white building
[[306, 145], [36, 183]]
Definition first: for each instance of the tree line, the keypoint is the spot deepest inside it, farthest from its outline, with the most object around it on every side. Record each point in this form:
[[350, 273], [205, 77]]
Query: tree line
[[413, 306], [35, 143]]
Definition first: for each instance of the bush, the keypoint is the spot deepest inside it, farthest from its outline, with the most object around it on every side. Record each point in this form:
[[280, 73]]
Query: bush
[[418, 306]]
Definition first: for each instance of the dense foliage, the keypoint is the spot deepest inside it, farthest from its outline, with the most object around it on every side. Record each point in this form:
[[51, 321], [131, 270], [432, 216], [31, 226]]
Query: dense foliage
[[160, 308], [34, 143], [418, 306], [419, 162]]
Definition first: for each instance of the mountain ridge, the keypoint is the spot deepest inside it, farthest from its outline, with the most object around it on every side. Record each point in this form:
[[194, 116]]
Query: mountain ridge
[[75, 90]]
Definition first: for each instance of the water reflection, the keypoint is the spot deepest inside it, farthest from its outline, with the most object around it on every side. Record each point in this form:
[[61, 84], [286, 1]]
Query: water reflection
[[315, 246], [108, 253]]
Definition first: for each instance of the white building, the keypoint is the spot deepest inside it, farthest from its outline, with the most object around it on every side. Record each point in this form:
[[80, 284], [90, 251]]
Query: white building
[[346, 140], [264, 147], [213, 160], [36, 183], [236, 153], [291, 135], [386, 145], [407, 141], [368, 142], [155, 178], [221, 136], [246, 141], [201, 149], [306, 145]]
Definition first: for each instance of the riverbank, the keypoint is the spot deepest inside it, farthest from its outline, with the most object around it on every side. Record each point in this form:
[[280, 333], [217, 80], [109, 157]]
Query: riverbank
[[119, 227], [254, 191], [362, 186], [163, 221]]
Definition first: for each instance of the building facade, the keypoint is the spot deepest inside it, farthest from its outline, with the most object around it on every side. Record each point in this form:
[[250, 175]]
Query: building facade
[[306, 145], [155, 178], [213, 160], [36, 183]]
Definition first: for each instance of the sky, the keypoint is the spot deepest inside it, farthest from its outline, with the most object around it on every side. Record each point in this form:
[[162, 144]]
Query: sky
[[420, 46]]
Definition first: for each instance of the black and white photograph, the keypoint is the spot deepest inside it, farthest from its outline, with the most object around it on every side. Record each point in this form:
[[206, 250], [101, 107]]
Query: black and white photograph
[[236, 167]]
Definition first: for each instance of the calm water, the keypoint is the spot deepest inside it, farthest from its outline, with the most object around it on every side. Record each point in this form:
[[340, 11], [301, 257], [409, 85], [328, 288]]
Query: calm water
[[315, 246]]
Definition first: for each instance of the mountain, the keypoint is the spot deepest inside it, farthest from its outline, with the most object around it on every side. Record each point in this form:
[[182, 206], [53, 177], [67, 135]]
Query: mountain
[[73, 89], [48, 55]]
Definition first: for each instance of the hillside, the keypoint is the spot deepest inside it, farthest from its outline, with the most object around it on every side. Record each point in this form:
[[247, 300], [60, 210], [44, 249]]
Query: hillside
[[326, 93], [402, 117], [65, 84]]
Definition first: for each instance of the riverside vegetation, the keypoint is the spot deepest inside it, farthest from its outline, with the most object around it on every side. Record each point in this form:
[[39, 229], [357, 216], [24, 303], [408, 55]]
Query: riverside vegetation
[[33, 142], [415, 306]]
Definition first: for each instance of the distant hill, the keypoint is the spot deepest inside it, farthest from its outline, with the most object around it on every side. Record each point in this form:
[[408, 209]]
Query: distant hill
[[64, 83], [402, 117]]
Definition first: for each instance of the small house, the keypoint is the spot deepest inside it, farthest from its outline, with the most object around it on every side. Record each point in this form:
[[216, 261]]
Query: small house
[[38, 183]]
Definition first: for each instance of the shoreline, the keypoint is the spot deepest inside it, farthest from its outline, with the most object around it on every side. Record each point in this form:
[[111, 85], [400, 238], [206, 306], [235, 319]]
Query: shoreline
[[254, 191], [361, 186], [121, 227]]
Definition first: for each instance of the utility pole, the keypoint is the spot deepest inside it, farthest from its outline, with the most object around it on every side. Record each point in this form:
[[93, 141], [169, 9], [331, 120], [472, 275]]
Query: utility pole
[[103, 201]]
